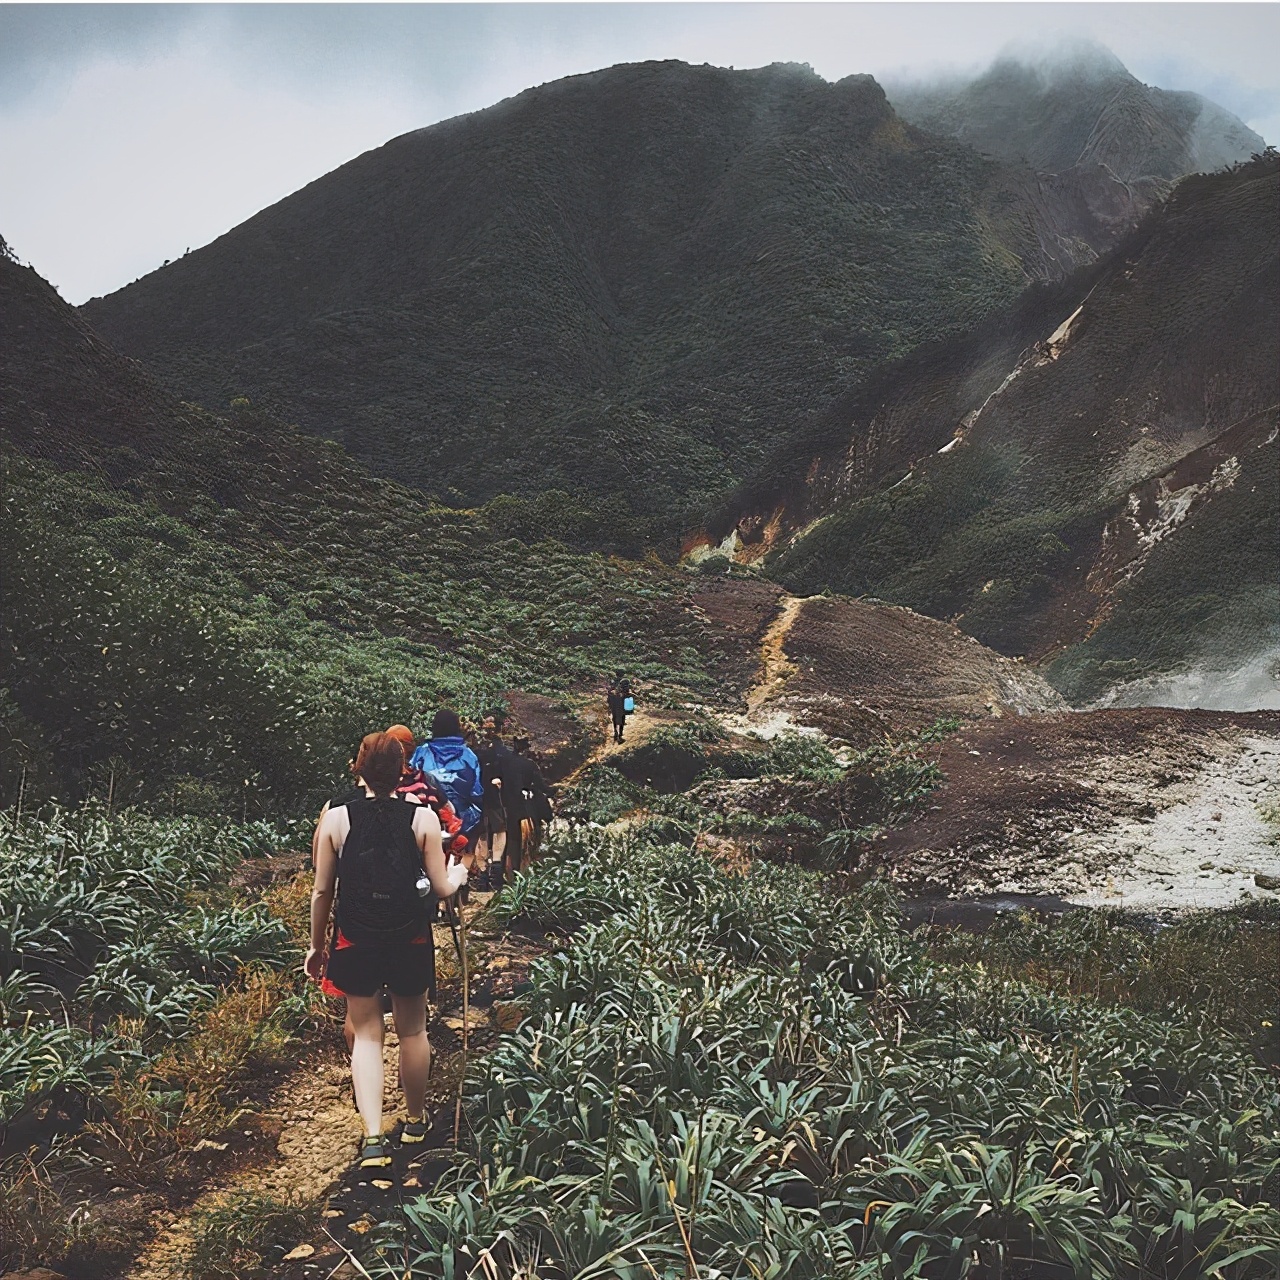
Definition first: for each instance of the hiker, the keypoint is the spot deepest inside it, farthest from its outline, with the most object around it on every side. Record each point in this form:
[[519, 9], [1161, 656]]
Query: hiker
[[621, 704], [446, 758], [415, 785], [535, 802], [492, 831], [383, 857], [353, 792]]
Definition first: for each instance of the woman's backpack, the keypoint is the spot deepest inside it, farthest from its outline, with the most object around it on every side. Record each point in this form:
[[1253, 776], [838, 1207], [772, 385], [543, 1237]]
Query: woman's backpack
[[378, 872]]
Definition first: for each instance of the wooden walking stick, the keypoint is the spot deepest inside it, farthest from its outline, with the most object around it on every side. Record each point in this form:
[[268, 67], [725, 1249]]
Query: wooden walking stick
[[458, 923]]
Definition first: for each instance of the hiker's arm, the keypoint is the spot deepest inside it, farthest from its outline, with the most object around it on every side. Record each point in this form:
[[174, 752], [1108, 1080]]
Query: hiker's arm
[[446, 878], [315, 834], [326, 860]]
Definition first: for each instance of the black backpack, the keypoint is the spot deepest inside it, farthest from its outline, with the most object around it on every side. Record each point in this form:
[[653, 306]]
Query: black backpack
[[378, 873]]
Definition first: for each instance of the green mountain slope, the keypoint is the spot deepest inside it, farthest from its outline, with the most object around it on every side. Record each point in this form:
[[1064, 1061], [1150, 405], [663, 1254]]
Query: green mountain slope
[[1099, 463], [624, 286], [224, 599], [1081, 107]]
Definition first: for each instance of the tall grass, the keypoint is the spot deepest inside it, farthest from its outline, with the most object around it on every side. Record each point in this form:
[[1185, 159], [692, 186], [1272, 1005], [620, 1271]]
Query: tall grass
[[739, 1075], [135, 991]]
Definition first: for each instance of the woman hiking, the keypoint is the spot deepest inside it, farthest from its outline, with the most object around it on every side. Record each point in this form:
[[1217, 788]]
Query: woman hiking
[[383, 858]]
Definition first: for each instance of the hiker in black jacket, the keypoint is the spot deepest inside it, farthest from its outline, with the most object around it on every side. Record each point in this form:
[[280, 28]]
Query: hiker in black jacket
[[535, 803], [491, 835], [618, 697]]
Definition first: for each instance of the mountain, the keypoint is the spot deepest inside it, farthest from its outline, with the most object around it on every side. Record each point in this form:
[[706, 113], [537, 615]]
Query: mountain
[[190, 601], [1086, 478], [1080, 106], [622, 286]]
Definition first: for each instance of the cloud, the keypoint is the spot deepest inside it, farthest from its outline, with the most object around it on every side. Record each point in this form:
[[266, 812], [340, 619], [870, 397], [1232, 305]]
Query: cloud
[[130, 132]]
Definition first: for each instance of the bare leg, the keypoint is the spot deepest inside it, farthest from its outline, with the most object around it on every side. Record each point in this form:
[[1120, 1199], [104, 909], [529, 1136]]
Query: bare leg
[[365, 1016], [497, 845], [410, 1013]]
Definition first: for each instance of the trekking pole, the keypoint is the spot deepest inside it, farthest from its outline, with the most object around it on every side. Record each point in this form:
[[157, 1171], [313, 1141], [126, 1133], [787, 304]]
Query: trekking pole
[[458, 922], [452, 919]]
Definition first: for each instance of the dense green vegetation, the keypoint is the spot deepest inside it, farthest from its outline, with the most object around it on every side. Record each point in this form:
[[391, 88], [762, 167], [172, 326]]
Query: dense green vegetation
[[115, 933], [792, 798], [622, 286], [743, 1075], [140, 993], [240, 652]]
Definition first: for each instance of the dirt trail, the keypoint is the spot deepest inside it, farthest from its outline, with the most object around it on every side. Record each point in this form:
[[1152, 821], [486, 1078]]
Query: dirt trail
[[775, 666], [318, 1139], [319, 1125], [640, 724]]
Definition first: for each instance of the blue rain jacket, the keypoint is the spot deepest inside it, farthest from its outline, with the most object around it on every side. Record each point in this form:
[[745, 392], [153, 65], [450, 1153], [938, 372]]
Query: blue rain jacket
[[454, 766]]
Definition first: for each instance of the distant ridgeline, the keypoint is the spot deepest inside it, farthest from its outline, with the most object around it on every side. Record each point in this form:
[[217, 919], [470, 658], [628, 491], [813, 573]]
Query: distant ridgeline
[[1078, 108], [625, 287], [1087, 477]]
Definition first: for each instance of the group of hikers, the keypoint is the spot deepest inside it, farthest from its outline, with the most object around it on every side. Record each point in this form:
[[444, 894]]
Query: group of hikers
[[420, 824]]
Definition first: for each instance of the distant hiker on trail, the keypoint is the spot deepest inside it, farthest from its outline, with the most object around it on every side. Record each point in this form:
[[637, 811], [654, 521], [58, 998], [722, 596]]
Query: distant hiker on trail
[[621, 704], [492, 831], [383, 858], [446, 758]]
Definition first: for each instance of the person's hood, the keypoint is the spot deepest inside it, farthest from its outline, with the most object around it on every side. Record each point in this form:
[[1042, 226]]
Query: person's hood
[[447, 751]]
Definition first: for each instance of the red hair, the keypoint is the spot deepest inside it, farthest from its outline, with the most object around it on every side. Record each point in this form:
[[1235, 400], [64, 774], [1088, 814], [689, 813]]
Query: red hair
[[380, 763]]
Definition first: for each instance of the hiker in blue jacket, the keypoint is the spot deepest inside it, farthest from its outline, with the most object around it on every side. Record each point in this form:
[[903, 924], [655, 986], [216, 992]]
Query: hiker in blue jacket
[[447, 758]]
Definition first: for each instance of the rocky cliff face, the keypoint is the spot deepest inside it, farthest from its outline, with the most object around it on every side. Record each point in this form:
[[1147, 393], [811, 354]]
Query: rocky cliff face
[[1036, 479]]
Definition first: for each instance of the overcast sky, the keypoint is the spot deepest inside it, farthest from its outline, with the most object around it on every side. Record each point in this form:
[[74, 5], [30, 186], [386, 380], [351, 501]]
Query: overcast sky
[[129, 133]]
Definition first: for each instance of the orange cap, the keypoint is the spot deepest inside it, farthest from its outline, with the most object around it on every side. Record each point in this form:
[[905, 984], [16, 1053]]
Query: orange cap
[[403, 735]]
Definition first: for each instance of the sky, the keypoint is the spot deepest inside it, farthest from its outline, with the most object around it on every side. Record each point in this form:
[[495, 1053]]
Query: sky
[[131, 133]]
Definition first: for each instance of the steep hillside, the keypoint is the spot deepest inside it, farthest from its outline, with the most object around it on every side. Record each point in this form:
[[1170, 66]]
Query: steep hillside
[[1096, 463], [222, 599], [1081, 108], [624, 285]]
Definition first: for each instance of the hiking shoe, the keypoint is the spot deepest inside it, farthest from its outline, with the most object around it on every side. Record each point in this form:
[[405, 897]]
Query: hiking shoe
[[374, 1153], [479, 881], [413, 1132], [495, 876]]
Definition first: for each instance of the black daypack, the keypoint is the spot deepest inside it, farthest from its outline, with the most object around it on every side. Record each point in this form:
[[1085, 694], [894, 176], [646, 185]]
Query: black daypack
[[378, 873]]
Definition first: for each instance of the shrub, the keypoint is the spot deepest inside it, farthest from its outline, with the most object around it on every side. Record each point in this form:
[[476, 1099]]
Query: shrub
[[743, 1075]]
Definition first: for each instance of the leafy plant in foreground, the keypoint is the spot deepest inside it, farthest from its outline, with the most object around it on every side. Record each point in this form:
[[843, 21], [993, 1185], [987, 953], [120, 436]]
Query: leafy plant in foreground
[[740, 1075]]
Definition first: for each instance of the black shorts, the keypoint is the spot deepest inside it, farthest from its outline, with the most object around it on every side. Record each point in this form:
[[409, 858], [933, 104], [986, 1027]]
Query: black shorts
[[405, 970]]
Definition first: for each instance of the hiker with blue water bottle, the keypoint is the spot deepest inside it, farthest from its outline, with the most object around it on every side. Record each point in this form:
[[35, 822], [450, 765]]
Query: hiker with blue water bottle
[[621, 704]]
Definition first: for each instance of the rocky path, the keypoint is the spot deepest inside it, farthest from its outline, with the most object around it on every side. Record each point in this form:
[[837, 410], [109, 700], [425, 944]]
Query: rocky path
[[1152, 808]]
